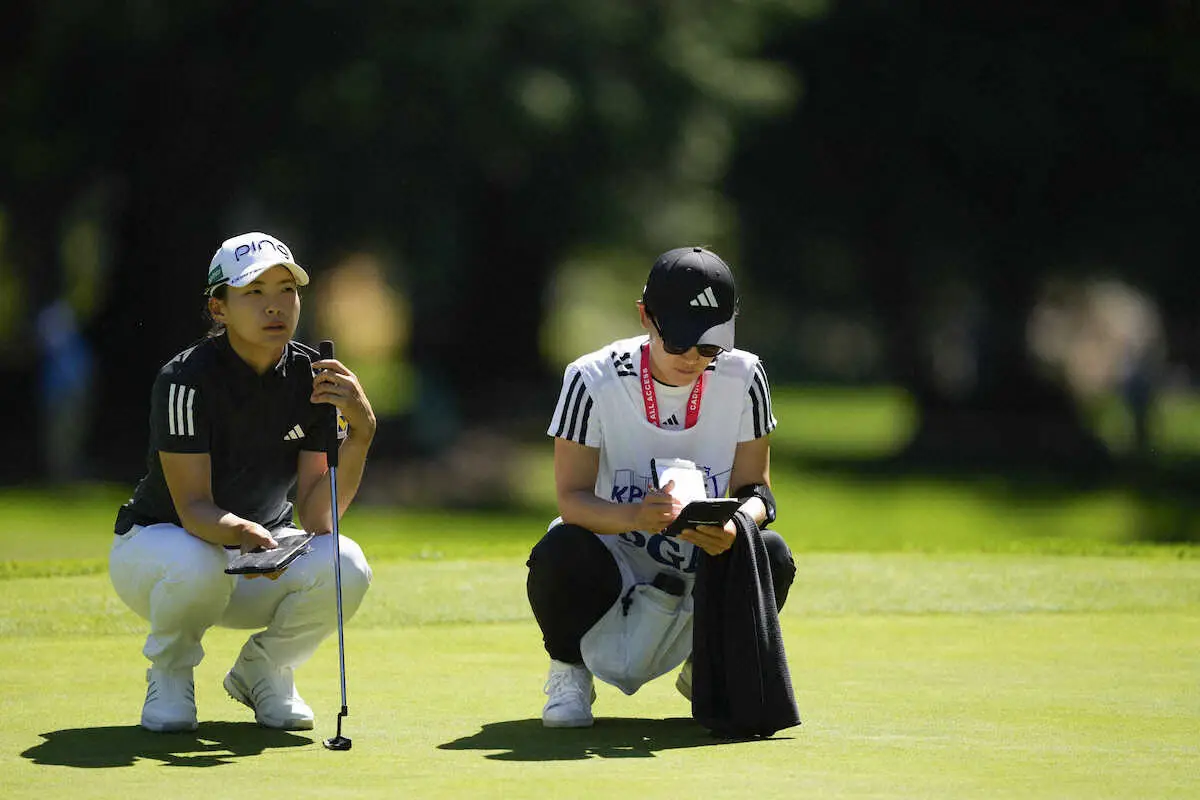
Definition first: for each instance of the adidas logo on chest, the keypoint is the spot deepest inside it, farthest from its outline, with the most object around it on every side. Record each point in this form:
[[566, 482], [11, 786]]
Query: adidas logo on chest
[[294, 434]]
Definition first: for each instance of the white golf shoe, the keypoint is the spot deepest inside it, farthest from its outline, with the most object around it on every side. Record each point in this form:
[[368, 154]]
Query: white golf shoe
[[571, 694], [683, 684], [271, 692], [170, 701]]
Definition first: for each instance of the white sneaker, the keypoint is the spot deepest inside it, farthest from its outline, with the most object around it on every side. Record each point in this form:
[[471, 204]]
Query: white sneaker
[[571, 696], [271, 693], [170, 701], [683, 684]]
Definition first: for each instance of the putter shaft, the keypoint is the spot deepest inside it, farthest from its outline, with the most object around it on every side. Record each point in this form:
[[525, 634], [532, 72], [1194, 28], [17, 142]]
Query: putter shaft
[[338, 742]]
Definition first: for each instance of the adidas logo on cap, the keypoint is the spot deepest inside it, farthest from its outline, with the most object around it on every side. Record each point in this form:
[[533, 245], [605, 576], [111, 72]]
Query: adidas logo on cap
[[705, 299]]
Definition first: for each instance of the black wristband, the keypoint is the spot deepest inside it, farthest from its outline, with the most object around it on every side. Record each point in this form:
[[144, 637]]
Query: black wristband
[[762, 492]]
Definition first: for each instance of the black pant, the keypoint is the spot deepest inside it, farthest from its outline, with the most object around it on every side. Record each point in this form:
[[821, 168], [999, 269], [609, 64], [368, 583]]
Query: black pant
[[573, 580]]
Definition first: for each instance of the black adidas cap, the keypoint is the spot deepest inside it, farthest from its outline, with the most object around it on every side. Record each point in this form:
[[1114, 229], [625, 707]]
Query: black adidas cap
[[691, 295]]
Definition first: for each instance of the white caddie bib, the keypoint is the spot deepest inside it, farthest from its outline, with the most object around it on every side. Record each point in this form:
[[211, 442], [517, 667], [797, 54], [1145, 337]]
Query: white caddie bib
[[648, 632]]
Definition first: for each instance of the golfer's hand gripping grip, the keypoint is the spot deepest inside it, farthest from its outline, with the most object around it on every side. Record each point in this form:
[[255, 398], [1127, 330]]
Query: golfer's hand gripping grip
[[325, 347]]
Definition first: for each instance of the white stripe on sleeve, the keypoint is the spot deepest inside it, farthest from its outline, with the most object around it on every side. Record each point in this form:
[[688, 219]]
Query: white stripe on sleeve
[[171, 410], [180, 396], [572, 415], [191, 425], [768, 415]]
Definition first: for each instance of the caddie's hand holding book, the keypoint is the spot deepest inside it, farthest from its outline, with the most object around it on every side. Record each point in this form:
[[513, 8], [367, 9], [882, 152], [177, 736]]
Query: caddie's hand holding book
[[688, 479], [689, 489]]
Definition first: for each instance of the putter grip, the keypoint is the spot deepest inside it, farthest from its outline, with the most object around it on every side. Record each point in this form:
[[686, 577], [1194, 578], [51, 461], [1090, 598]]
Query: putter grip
[[325, 347]]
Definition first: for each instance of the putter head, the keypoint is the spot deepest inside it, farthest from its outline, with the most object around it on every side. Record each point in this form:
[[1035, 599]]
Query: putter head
[[337, 743]]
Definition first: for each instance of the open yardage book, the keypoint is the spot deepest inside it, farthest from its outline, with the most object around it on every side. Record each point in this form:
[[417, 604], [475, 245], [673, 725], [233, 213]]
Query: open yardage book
[[689, 483], [266, 561]]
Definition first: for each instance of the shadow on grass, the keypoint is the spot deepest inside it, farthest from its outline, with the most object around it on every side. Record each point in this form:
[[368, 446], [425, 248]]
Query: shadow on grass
[[610, 737], [213, 744]]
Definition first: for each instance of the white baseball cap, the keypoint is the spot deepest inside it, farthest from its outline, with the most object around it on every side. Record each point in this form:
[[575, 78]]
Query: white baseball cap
[[243, 258]]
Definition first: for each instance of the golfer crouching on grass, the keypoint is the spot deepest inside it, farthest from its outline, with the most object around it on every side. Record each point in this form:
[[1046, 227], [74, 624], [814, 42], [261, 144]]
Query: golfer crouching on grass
[[237, 421], [613, 595]]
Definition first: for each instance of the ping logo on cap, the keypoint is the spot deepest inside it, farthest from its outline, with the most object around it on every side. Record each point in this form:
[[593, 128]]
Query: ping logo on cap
[[254, 247], [242, 258]]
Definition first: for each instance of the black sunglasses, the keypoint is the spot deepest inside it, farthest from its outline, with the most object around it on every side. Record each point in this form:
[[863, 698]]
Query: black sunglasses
[[705, 350]]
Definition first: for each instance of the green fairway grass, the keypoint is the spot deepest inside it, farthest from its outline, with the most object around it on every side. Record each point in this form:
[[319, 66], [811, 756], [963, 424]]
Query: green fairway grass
[[946, 639], [51, 533], [917, 676]]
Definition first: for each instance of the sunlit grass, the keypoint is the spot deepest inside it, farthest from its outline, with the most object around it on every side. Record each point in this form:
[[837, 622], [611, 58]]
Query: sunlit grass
[[68, 531], [916, 675], [946, 638], [831, 421]]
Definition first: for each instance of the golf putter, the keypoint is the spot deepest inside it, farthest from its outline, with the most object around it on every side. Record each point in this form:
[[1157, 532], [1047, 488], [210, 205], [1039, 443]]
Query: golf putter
[[338, 742]]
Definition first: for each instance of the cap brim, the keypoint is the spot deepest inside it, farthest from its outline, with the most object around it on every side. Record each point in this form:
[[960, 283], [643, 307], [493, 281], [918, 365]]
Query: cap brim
[[720, 335], [249, 275], [690, 332]]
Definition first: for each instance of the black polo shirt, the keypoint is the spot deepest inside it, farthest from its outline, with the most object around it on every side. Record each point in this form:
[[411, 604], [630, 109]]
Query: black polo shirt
[[207, 400]]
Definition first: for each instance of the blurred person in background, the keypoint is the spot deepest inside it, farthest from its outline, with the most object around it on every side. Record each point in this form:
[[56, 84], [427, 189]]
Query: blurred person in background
[[237, 422], [610, 592], [67, 376], [1103, 336]]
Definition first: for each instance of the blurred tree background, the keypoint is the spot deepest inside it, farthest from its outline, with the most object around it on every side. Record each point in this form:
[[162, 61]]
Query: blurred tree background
[[986, 209]]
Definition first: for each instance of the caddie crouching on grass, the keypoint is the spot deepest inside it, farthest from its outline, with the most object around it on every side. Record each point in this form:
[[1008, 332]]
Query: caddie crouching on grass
[[236, 422], [612, 594]]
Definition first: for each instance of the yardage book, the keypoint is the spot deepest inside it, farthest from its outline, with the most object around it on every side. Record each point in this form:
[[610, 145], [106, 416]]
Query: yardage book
[[689, 481], [261, 561]]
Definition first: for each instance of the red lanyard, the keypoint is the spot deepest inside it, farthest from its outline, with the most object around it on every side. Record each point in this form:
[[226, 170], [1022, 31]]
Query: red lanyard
[[650, 398]]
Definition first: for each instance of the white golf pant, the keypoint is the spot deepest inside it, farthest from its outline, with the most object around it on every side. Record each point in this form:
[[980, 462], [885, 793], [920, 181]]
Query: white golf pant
[[178, 583]]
